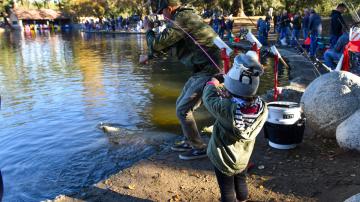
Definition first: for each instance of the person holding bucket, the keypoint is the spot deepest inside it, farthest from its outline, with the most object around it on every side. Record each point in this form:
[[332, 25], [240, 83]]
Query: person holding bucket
[[240, 115]]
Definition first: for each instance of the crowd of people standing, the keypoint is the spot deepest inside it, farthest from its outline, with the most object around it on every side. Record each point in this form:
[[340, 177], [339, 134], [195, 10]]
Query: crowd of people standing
[[290, 27], [133, 23], [220, 24]]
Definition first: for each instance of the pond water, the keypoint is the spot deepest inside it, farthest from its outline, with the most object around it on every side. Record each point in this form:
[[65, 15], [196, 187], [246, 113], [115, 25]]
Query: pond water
[[55, 90]]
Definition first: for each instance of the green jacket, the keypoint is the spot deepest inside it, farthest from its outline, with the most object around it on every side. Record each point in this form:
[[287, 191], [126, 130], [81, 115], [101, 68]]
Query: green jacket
[[187, 51], [229, 148]]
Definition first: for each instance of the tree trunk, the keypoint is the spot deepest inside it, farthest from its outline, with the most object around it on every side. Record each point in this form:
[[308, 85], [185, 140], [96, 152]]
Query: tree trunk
[[237, 8], [7, 23]]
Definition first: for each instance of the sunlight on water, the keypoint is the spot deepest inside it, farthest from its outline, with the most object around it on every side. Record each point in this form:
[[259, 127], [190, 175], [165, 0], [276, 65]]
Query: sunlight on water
[[56, 88]]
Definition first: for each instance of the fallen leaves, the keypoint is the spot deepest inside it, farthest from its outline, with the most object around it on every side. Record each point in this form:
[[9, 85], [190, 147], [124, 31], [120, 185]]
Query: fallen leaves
[[131, 187], [175, 198]]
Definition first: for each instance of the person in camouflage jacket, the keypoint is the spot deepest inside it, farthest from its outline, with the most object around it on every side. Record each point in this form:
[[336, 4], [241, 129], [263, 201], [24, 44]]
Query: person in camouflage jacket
[[183, 22]]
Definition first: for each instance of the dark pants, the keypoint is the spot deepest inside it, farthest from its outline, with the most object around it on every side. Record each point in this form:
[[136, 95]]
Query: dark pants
[[333, 40], [232, 187], [313, 45], [305, 33], [262, 36], [295, 37], [221, 32]]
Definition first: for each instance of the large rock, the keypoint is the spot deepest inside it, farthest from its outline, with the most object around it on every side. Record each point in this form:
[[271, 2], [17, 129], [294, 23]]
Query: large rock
[[355, 198], [348, 132], [329, 100]]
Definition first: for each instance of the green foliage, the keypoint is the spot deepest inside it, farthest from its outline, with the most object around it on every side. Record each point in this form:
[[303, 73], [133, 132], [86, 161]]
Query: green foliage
[[5, 5], [107, 8]]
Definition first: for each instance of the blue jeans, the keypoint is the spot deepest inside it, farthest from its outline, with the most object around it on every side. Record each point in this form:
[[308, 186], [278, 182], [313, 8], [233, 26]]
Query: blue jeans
[[295, 36], [333, 40], [221, 33], [330, 56], [229, 33], [232, 187], [283, 32], [262, 38], [313, 44], [305, 32], [216, 28]]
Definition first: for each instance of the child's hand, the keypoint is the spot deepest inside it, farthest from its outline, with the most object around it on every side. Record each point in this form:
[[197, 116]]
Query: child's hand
[[215, 81]]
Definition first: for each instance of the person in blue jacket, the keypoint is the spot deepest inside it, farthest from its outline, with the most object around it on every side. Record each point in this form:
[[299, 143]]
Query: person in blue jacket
[[314, 29], [333, 55], [229, 26], [263, 27], [305, 23]]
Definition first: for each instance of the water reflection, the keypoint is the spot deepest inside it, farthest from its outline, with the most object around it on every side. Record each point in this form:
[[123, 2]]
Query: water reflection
[[57, 87]]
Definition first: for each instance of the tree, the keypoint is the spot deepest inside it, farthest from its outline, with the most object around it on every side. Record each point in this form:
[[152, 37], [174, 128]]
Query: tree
[[237, 8], [5, 7]]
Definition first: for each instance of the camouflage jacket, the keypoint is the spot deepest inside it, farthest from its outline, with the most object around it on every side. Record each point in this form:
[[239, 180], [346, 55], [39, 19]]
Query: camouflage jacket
[[186, 50]]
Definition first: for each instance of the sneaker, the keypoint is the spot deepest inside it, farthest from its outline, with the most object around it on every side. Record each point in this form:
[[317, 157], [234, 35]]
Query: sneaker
[[181, 146], [193, 154]]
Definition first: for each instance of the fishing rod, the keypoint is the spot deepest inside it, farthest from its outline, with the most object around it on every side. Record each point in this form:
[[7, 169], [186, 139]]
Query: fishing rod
[[249, 19], [315, 63], [194, 40], [252, 39]]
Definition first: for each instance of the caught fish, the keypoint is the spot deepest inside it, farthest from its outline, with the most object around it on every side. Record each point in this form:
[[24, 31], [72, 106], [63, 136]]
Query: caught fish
[[116, 133], [110, 128]]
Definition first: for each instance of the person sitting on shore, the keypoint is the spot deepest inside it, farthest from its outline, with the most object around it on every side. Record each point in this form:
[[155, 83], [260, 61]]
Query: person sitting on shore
[[240, 115], [333, 55]]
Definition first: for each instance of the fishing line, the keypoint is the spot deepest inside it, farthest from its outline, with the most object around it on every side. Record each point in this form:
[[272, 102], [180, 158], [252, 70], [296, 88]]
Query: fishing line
[[309, 58], [195, 43]]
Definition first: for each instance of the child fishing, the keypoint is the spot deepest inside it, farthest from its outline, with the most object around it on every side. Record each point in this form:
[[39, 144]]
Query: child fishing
[[240, 115]]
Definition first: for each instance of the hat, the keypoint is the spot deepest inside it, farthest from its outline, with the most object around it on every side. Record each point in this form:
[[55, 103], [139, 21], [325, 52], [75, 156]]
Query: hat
[[244, 77], [162, 4]]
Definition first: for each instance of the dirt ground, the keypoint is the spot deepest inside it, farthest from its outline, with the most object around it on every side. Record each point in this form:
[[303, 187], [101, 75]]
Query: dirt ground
[[317, 170]]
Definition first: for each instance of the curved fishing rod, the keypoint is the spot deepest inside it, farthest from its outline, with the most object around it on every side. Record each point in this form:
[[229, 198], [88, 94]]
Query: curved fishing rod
[[194, 40], [250, 19]]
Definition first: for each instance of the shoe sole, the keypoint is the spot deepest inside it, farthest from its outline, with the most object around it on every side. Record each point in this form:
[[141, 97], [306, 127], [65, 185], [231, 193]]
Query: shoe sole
[[179, 149], [192, 157]]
